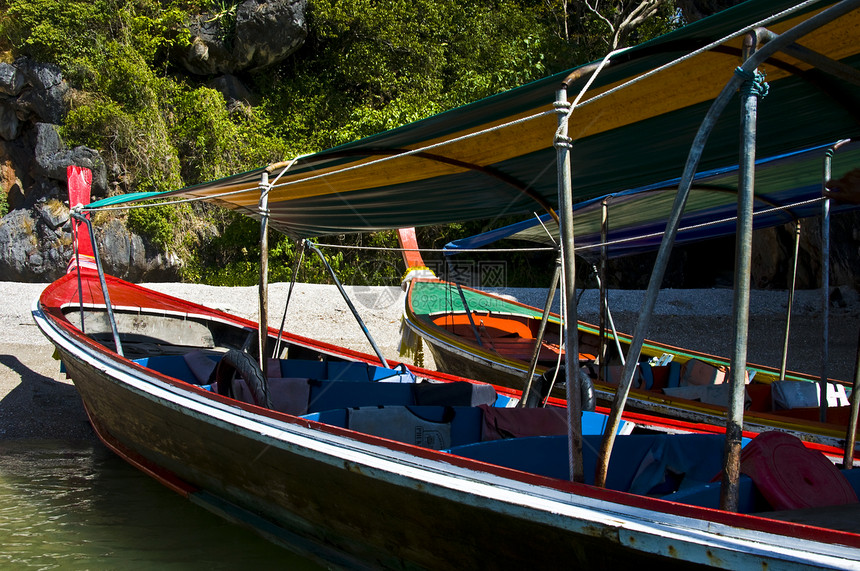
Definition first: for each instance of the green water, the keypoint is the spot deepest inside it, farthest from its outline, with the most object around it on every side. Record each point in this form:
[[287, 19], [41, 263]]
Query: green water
[[65, 505]]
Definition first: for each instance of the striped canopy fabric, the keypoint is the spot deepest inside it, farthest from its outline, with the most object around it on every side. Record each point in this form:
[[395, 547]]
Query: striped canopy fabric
[[496, 157]]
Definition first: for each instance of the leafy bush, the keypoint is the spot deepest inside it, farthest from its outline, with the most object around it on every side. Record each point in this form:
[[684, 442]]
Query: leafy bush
[[367, 66]]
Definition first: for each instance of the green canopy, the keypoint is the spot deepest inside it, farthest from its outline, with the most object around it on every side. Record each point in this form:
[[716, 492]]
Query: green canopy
[[496, 158]]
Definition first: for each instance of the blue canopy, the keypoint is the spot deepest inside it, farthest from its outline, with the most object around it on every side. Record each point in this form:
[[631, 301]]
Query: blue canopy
[[787, 187]]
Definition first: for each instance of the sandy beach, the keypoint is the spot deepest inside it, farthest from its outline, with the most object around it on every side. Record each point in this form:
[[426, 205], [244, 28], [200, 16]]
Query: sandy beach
[[37, 401]]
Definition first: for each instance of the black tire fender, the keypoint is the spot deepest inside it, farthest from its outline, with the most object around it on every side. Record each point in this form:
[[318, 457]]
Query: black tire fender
[[541, 388], [235, 362]]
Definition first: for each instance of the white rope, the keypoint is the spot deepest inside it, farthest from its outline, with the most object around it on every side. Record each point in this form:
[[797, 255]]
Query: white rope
[[199, 198], [438, 250], [166, 203], [422, 149]]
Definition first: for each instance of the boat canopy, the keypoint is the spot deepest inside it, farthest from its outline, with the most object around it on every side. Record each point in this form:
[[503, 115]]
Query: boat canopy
[[787, 188], [632, 127]]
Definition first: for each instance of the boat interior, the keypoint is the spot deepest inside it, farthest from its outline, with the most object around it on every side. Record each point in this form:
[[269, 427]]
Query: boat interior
[[513, 336]]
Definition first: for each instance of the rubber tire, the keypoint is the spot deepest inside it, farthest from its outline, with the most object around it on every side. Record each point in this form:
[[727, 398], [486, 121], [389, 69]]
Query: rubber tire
[[541, 387], [238, 362]]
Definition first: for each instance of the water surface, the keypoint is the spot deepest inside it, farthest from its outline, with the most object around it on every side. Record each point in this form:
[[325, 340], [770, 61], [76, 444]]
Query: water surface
[[69, 505]]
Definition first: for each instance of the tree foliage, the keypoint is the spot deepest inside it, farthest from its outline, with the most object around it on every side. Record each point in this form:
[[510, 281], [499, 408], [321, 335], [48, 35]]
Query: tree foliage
[[367, 66]]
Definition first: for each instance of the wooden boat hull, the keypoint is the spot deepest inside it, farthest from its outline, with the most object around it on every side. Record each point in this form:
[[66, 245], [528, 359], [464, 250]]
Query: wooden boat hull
[[355, 500], [460, 354]]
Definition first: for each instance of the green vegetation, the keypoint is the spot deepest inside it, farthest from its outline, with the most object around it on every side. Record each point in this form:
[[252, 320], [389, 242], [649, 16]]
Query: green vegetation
[[367, 66]]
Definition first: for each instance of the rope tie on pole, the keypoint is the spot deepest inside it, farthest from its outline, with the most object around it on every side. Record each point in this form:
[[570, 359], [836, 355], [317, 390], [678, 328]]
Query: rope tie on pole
[[754, 83], [263, 205], [562, 141]]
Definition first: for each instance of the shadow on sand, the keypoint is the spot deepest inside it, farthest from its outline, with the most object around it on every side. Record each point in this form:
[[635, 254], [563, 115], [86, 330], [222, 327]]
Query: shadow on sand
[[40, 406]]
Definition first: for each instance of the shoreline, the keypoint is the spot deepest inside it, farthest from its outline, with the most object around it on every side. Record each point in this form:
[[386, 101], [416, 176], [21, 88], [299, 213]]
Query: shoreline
[[37, 401]]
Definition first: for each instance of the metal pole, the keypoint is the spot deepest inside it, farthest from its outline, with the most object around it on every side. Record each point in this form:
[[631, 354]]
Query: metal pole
[[562, 145], [541, 331], [78, 270], [614, 331], [469, 314], [263, 327], [825, 302], [851, 432], [603, 370], [825, 283], [348, 301], [791, 290], [740, 307], [300, 252], [103, 283]]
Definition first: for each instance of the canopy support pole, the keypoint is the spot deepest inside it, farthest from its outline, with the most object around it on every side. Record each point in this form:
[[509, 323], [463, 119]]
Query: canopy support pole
[[102, 281], [729, 489], [348, 301], [825, 298], [851, 432], [612, 327], [263, 326], [603, 369], [668, 241], [541, 331], [469, 314], [300, 255], [791, 290], [825, 282], [562, 145]]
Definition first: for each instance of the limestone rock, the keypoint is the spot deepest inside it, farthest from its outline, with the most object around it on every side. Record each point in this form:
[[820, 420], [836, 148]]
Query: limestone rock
[[268, 31], [10, 126], [261, 33], [53, 158], [11, 80], [45, 98]]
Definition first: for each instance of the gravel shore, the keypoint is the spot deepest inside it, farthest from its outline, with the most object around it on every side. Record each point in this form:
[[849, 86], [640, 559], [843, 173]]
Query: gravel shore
[[36, 401]]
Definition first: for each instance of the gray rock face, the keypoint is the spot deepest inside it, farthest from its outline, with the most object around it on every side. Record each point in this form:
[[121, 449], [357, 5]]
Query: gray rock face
[[53, 158], [33, 243], [11, 80], [10, 126], [263, 33], [36, 245], [46, 96], [268, 32], [35, 236]]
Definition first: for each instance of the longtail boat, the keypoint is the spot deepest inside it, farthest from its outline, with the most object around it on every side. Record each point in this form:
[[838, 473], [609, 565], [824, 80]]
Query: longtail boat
[[434, 314], [367, 464]]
